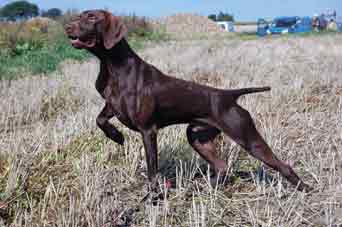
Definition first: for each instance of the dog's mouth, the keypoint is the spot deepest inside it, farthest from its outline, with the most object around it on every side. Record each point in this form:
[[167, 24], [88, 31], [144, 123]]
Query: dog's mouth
[[78, 43]]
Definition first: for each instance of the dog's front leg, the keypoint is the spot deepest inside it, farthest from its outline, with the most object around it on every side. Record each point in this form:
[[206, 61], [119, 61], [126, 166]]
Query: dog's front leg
[[110, 131], [151, 151]]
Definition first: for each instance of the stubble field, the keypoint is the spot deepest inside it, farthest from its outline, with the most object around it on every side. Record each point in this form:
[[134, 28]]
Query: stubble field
[[58, 169]]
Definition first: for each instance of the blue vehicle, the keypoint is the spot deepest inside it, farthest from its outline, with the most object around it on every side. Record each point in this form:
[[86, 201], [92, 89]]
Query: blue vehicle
[[303, 24], [262, 27], [284, 25]]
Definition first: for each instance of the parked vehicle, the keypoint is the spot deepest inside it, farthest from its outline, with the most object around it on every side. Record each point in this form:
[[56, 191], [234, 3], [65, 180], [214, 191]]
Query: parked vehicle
[[303, 24], [283, 25], [226, 25], [262, 27]]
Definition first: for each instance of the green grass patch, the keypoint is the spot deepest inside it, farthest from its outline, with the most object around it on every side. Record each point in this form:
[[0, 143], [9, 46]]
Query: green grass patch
[[47, 59], [25, 50], [38, 61], [294, 35], [314, 33], [247, 36], [139, 38]]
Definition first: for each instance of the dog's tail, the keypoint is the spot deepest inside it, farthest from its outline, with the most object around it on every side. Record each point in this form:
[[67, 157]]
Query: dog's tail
[[243, 91]]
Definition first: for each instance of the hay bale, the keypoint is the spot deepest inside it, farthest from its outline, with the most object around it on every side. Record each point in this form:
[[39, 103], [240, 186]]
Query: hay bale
[[186, 25]]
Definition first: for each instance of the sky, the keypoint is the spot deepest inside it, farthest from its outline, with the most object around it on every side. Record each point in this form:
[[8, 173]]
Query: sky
[[243, 10]]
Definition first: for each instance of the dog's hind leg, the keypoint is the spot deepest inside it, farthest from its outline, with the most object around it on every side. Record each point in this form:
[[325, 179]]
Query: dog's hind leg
[[238, 124], [201, 138]]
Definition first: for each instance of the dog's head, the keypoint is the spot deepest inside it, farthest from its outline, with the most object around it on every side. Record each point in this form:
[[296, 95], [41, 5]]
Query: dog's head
[[95, 27]]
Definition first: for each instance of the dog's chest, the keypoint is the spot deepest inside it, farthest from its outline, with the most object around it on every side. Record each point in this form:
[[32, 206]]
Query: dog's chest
[[106, 86], [120, 102]]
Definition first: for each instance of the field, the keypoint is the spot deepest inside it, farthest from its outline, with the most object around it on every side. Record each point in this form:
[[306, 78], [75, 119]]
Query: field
[[58, 169]]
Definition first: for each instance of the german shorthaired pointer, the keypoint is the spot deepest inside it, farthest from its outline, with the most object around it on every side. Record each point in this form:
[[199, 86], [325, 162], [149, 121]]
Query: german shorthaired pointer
[[145, 100]]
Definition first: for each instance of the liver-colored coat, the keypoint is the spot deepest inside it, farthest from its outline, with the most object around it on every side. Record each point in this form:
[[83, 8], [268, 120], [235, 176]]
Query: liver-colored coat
[[145, 100]]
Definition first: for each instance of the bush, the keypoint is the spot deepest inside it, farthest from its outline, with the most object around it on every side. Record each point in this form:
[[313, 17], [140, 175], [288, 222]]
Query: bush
[[17, 38], [52, 13], [38, 45], [19, 9], [137, 26], [221, 16], [140, 30], [33, 47]]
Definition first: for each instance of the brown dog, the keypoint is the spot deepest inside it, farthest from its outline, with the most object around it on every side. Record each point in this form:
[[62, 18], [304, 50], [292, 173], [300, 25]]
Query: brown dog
[[145, 100]]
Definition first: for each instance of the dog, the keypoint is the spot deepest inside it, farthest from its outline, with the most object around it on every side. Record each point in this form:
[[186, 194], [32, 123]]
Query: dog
[[144, 99]]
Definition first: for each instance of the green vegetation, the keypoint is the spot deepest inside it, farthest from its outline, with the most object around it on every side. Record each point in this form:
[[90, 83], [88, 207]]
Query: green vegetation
[[221, 16], [314, 33], [291, 35], [37, 61], [39, 46], [52, 13], [140, 31], [247, 36], [138, 40], [33, 47]]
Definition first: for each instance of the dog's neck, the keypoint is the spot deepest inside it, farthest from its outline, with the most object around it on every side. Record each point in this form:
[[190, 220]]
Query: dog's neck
[[114, 59], [117, 55]]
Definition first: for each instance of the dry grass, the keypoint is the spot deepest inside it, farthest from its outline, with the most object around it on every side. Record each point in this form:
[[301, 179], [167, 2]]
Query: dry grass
[[57, 168]]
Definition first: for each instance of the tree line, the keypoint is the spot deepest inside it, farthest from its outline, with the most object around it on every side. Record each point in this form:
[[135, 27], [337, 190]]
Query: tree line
[[221, 16], [23, 10]]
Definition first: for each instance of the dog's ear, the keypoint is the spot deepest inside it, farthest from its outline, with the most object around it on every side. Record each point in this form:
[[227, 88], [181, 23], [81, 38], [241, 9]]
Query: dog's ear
[[114, 30]]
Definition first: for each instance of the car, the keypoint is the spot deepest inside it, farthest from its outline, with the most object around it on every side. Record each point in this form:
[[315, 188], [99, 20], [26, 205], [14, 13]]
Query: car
[[284, 25], [226, 25]]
